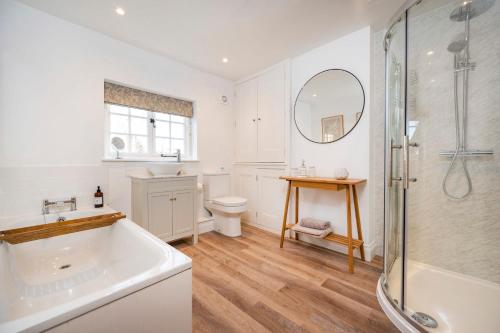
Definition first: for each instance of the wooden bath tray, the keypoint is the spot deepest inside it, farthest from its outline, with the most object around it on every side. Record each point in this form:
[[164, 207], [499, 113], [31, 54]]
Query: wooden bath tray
[[27, 234]]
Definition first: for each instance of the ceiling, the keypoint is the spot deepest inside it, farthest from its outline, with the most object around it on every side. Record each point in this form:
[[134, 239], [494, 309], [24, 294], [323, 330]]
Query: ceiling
[[252, 34]]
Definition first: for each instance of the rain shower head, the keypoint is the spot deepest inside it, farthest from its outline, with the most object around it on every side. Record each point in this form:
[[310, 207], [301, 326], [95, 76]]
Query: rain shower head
[[458, 44], [471, 9]]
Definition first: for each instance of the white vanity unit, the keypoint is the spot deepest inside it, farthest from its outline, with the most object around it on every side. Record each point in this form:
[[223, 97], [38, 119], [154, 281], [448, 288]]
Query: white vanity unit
[[166, 205]]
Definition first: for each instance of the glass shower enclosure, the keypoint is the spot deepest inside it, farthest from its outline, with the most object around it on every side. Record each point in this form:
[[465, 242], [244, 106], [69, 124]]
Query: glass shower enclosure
[[442, 170]]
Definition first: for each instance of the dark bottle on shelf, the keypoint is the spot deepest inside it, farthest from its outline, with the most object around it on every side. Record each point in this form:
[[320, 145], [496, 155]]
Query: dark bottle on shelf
[[98, 198]]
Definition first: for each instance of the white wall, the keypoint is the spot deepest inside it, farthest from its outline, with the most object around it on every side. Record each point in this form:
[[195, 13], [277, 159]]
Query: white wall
[[352, 53], [51, 106]]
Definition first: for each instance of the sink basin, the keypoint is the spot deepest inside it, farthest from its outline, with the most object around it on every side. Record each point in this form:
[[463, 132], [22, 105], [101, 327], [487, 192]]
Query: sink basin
[[49, 281], [170, 169]]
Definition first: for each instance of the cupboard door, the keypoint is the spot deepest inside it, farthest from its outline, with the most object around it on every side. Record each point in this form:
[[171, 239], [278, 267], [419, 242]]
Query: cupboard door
[[246, 109], [247, 188], [160, 214], [271, 115], [272, 192], [183, 211]]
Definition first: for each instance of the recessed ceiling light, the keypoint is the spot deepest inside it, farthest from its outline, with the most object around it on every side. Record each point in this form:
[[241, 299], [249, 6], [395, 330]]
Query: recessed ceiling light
[[120, 11], [315, 95], [430, 53], [225, 60]]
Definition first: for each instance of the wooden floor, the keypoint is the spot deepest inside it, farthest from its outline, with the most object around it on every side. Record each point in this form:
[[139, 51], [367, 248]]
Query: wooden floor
[[248, 284]]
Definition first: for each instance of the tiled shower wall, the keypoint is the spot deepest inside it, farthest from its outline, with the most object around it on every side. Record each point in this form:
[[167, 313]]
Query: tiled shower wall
[[457, 235]]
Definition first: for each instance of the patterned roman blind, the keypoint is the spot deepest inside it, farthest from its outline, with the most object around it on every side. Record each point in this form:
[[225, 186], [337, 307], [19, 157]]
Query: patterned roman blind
[[121, 95]]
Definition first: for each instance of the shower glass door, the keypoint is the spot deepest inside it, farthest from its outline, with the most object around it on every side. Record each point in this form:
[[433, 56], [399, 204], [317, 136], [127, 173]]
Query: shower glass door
[[394, 196]]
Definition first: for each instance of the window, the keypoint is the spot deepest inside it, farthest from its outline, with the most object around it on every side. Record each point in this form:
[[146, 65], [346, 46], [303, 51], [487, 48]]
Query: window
[[146, 133]]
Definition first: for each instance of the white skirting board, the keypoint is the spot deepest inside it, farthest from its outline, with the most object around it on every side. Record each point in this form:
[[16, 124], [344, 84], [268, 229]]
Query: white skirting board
[[206, 224]]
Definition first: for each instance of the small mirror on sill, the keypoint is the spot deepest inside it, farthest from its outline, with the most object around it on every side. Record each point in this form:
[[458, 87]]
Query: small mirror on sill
[[329, 106], [118, 145]]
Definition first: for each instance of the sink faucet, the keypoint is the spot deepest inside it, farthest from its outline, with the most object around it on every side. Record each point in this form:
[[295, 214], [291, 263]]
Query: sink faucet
[[46, 204], [176, 155]]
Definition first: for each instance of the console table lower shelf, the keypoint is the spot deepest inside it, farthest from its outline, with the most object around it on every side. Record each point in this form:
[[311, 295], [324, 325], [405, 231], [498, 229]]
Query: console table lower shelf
[[332, 184]]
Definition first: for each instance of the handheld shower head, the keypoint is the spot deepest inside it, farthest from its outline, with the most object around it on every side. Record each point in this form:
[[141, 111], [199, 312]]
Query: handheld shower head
[[458, 44], [471, 9]]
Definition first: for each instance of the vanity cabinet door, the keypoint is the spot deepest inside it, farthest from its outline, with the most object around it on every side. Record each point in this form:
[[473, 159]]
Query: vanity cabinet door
[[160, 214], [246, 123], [271, 116], [183, 211]]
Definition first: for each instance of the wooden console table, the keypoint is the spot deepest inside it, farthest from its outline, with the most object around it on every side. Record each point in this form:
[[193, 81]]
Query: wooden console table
[[331, 184]]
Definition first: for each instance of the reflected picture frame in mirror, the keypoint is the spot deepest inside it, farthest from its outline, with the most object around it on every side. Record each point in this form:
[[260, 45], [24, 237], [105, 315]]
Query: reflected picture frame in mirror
[[339, 115]]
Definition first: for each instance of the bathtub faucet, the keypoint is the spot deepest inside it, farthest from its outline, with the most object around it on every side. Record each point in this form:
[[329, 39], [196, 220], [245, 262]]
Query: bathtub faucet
[[46, 204]]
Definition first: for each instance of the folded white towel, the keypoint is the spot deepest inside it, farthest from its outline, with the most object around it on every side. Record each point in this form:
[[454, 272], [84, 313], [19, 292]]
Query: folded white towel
[[311, 231], [310, 222]]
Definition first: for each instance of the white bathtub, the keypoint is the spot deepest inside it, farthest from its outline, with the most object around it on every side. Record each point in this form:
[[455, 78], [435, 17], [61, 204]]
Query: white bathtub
[[105, 264], [459, 303]]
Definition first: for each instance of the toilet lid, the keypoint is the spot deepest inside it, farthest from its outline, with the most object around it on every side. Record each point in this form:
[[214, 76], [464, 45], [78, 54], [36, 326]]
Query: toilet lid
[[230, 201]]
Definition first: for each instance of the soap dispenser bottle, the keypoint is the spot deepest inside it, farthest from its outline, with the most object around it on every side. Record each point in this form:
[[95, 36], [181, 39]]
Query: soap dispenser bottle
[[303, 169], [98, 198]]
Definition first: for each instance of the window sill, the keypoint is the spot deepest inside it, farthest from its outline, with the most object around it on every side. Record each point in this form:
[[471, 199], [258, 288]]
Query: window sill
[[146, 160]]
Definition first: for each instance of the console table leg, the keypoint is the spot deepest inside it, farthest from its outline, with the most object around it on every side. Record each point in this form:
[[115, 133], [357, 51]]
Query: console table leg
[[296, 210], [358, 222], [349, 229], [285, 214]]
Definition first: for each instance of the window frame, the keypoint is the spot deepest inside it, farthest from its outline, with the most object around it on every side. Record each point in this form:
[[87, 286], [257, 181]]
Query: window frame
[[150, 136]]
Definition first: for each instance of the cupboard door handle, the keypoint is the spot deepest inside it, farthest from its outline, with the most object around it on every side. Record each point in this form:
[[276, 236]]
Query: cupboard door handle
[[253, 120], [259, 119]]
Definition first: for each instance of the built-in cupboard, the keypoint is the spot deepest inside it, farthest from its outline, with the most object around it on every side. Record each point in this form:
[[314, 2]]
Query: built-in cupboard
[[265, 193], [262, 123], [261, 109]]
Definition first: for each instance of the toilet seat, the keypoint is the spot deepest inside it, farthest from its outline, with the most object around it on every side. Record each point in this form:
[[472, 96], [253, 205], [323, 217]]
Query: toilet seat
[[230, 201], [229, 205]]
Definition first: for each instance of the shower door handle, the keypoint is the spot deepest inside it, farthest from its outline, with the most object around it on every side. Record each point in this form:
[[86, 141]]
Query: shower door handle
[[391, 178], [406, 162]]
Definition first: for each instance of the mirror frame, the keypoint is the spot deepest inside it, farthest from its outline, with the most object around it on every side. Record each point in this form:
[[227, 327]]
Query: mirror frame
[[355, 124]]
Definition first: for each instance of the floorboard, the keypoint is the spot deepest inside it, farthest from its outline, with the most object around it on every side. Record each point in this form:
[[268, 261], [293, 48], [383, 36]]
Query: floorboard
[[248, 284]]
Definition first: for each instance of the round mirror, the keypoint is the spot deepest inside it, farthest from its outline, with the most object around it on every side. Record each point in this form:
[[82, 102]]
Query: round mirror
[[329, 106]]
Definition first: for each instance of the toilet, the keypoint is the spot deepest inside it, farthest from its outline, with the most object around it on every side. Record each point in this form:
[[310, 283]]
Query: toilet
[[226, 209]]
